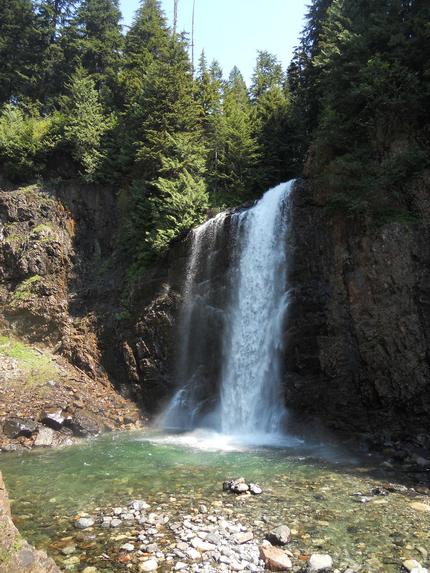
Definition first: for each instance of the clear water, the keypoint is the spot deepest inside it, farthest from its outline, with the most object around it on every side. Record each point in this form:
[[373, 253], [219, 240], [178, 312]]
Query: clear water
[[313, 495]]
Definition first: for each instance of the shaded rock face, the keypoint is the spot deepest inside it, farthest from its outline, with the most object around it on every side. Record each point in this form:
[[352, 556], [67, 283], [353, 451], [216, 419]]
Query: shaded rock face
[[358, 334]]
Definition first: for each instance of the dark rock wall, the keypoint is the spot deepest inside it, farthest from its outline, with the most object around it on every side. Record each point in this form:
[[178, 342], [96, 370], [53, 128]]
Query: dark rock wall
[[358, 332]]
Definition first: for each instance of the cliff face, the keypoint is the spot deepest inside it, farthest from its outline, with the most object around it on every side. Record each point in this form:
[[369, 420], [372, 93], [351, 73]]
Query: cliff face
[[358, 335]]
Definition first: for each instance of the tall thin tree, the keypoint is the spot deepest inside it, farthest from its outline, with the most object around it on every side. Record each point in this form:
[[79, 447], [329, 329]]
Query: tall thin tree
[[175, 16]]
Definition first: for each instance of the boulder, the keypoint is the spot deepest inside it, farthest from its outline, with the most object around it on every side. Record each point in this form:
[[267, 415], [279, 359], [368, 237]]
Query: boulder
[[280, 535], [44, 438], [16, 427], [53, 418], [275, 559], [83, 424]]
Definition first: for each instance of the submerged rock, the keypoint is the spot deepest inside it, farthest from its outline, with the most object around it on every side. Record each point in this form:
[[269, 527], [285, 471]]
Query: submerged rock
[[84, 522], [150, 565], [319, 563]]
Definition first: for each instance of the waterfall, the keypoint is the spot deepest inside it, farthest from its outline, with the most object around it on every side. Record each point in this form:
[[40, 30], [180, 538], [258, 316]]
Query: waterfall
[[251, 396], [231, 322]]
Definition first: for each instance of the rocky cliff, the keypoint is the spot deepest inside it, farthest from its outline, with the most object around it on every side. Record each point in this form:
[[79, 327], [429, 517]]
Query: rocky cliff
[[358, 335]]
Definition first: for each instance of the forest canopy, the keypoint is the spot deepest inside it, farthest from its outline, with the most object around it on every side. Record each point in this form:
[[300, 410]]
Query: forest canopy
[[83, 99]]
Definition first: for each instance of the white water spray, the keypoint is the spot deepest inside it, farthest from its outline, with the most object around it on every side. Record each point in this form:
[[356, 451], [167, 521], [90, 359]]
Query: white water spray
[[252, 399]]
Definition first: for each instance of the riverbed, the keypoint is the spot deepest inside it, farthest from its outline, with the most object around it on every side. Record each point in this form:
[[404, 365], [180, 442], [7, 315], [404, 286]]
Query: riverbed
[[351, 506]]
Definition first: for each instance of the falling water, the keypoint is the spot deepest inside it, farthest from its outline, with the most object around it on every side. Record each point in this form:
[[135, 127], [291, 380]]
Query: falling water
[[252, 399], [230, 325]]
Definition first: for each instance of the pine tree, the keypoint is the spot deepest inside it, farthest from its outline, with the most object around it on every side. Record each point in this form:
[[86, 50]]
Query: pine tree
[[267, 74], [83, 123], [234, 148], [19, 51], [100, 43]]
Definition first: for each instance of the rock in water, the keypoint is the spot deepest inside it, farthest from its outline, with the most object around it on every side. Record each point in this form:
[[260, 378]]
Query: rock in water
[[84, 523], [418, 506], [280, 535], [150, 565], [319, 563], [275, 559], [45, 437]]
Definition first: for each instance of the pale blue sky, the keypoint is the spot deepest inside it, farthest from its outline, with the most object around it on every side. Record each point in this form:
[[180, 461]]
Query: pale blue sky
[[233, 30]]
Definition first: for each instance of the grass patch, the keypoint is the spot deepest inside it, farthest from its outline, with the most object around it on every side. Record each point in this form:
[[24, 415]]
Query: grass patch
[[26, 288], [43, 233], [37, 367]]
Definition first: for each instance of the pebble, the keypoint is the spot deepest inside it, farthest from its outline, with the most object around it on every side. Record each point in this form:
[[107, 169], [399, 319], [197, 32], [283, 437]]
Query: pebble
[[281, 535], [84, 523], [127, 547], [149, 565], [413, 566], [418, 506], [319, 562]]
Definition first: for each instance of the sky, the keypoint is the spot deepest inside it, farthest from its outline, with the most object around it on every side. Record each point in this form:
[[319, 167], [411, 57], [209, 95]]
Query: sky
[[232, 31]]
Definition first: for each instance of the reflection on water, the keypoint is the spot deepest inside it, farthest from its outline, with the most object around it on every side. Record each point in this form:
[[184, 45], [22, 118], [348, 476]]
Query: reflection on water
[[306, 487]]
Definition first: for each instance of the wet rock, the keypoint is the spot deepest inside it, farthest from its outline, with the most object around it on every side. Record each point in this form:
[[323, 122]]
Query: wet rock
[[68, 549], [149, 565], [84, 522], [395, 488], [413, 566], [255, 489], [127, 547], [275, 559], [44, 438], [280, 535], [418, 506], [139, 505], [15, 427], [237, 485], [319, 563], [115, 523], [83, 424], [53, 418]]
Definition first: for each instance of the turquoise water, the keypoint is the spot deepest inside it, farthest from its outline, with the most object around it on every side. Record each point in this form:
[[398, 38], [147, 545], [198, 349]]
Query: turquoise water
[[176, 474]]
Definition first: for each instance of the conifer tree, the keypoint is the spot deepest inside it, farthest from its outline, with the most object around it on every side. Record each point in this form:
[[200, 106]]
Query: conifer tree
[[100, 43]]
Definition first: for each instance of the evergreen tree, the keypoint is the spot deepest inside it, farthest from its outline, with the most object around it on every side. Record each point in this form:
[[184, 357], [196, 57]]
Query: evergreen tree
[[267, 74], [234, 148], [101, 43], [83, 124], [19, 50]]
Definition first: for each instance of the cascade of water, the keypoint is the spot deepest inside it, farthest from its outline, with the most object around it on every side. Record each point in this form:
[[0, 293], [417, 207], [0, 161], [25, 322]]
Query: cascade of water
[[199, 309], [252, 397], [230, 324]]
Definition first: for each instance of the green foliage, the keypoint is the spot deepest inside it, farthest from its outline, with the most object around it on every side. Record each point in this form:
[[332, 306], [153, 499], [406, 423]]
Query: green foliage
[[25, 289], [37, 366], [23, 140], [83, 123]]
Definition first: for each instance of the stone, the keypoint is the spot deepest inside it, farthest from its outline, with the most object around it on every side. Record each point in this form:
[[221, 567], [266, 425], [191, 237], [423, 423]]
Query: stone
[[255, 489], [193, 554], [139, 505], [90, 570], [68, 549], [44, 438], [412, 566], [274, 558], [241, 538], [180, 566], [127, 547], [53, 418], [15, 427], [281, 535], [319, 562], [149, 565], [201, 545], [418, 506], [115, 523], [84, 523]]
